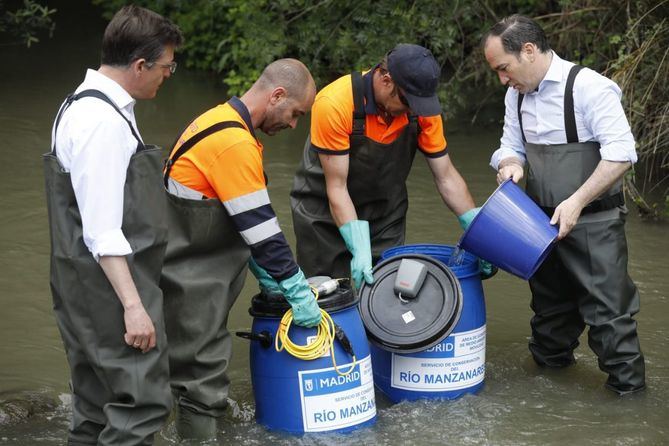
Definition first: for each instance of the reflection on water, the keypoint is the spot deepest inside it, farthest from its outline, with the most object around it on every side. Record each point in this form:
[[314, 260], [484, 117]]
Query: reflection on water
[[520, 403]]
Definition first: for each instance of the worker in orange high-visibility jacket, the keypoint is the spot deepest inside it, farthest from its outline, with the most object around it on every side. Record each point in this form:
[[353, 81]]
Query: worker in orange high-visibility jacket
[[220, 218], [349, 197]]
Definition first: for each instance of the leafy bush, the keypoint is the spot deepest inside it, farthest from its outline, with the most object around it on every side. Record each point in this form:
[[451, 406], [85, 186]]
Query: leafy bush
[[626, 39], [26, 22]]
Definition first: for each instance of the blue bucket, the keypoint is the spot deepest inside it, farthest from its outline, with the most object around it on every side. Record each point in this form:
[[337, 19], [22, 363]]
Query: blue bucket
[[455, 366], [511, 232], [299, 396]]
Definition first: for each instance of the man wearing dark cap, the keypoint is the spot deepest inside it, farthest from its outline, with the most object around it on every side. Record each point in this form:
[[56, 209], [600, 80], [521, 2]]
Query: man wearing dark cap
[[349, 196]]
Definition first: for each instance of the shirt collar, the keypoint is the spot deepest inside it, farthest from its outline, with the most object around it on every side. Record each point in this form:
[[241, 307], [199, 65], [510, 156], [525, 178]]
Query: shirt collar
[[370, 103], [241, 109], [113, 90], [554, 73]]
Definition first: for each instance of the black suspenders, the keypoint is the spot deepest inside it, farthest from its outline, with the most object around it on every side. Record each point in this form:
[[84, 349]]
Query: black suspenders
[[569, 116], [95, 94], [603, 203], [185, 147], [359, 114]]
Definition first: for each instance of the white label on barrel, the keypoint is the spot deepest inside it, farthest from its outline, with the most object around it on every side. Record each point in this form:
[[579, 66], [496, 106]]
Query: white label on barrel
[[331, 401], [408, 317], [458, 362]]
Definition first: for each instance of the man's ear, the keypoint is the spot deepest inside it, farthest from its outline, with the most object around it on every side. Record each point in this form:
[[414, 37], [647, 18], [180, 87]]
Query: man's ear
[[530, 50], [138, 65], [277, 95]]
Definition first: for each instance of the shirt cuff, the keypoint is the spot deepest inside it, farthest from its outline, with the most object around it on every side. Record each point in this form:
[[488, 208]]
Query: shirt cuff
[[109, 243], [618, 153], [438, 154], [325, 151], [503, 153]]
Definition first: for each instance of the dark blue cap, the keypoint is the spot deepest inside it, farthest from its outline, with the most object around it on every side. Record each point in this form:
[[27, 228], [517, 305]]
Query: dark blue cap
[[415, 71]]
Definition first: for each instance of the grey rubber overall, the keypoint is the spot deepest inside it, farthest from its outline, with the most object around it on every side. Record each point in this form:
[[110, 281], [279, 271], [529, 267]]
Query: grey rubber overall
[[376, 184], [204, 271], [584, 281], [120, 396]]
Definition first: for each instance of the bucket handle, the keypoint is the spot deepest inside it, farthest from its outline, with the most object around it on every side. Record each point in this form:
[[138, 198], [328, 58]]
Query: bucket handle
[[264, 337]]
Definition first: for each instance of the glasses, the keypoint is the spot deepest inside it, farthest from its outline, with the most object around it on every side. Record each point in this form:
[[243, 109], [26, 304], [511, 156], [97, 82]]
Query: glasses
[[171, 66]]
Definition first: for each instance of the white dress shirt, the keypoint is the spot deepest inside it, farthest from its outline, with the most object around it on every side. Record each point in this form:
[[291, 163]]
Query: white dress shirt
[[599, 115], [94, 143]]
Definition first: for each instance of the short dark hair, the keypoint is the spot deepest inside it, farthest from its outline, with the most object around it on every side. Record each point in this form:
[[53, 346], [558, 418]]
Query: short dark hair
[[137, 33], [517, 30]]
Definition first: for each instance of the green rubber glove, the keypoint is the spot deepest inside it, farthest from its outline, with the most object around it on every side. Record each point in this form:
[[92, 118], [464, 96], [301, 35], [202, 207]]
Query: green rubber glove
[[267, 284], [466, 219], [356, 237], [486, 269], [297, 292]]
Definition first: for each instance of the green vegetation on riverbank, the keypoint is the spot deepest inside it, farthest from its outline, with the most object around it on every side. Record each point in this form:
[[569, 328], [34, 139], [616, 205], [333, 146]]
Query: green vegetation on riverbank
[[627, 40], [21, 24]]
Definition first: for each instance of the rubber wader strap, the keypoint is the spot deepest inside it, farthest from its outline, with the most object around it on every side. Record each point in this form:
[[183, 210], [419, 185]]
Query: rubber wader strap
[[93, 94], [413, 120], [569, 116], [520, 116], [185, 147], [602, 204], [358, 104]]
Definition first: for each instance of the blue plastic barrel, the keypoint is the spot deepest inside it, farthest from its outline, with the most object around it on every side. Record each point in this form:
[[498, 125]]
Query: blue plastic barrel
[[511, 232], [455, 366], [299, 396]]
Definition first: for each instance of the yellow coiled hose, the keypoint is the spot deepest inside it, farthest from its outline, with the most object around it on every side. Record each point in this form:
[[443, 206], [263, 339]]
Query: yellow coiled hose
[[318, 347]]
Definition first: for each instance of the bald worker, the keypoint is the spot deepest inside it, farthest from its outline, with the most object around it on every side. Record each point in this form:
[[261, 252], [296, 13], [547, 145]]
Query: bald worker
[[220, 220]]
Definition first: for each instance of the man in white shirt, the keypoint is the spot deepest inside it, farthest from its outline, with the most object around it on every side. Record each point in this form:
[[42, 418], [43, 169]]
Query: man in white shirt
[[108, 235], [569, 126]]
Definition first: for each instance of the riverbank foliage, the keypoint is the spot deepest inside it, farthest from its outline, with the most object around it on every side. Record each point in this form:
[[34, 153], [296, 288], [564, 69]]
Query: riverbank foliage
[[628, 40], [23, 23]]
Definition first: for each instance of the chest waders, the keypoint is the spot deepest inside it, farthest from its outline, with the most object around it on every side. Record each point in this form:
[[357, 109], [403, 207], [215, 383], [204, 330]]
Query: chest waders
[[376, 183], [120, 396], [204, 271], [584, 281]]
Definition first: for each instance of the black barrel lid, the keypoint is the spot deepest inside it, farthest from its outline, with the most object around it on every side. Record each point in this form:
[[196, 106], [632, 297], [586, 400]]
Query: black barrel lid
[[275, 304], [410, 325]]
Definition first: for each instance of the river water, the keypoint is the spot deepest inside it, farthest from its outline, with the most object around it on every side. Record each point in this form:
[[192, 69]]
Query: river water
[[520, 403]]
